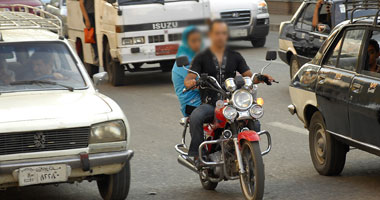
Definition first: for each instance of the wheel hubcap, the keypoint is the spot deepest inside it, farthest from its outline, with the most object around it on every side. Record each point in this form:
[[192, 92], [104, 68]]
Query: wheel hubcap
[[320, 145]]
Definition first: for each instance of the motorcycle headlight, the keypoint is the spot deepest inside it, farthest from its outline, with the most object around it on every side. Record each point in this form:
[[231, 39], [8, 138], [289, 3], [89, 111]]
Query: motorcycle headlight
[[230, 113], [256, 111], [242, 99], [112, 131]]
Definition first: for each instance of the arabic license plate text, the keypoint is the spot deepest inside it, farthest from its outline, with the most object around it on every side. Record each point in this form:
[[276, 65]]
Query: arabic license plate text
[[235, 33], [42, 174], [163, 50]]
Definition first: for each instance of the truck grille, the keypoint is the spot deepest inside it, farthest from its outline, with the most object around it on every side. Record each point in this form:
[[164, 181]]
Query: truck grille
[[156, 38], [39, 141], [237, 18]]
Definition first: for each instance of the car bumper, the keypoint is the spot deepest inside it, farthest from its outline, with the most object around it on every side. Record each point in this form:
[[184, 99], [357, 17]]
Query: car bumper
[[141, 54], [80, 166]]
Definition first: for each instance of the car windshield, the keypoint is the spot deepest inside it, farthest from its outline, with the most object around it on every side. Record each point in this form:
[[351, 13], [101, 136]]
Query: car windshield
[[135, 2], [340, 13], [38, 66]]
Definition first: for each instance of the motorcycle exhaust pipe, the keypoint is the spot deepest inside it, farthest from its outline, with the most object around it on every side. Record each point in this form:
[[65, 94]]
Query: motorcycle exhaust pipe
[[185, 161]]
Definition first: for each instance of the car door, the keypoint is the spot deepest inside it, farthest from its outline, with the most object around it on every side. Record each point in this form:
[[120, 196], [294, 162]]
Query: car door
[[318, 36], [364, 108], [302, 41], [335, 77]]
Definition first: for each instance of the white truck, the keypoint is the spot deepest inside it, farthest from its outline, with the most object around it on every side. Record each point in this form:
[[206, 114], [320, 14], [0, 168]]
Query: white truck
[[247, 19], [133, 32]]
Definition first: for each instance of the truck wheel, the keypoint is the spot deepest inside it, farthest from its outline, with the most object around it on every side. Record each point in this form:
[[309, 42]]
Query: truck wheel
[[114, 69], [258, 42], [115, 187], [294, 66], [167, 66], [327, 153]]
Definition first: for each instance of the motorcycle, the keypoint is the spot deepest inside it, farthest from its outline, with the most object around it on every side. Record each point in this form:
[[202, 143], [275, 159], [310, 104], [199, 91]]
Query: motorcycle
[[231, 149]]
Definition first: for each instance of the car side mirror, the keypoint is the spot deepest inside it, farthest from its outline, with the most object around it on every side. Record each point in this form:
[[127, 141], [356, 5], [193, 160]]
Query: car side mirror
[[271, 55], [100, 78], [182, 61]]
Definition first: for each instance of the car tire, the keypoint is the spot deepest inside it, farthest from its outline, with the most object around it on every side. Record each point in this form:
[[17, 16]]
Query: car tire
[[167, 66], [114, 69], [327, 153], [116, 186], [293, 66], [258, 42]]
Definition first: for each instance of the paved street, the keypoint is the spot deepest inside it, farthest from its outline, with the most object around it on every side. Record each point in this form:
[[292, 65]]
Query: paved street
[[153, 112]]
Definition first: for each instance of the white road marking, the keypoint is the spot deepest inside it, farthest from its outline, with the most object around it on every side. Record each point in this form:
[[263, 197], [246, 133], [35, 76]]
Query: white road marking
[[288, 127]]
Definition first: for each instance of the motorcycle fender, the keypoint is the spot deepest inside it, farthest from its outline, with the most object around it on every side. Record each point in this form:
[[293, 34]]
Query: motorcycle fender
[[250, 136]]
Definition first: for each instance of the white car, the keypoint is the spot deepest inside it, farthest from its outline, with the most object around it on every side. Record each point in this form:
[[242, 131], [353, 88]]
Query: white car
[[247, 19], [55, 127]]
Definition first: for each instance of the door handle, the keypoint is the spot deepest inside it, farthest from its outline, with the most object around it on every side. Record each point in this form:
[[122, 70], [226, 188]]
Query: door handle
[[322, 79], [311, 38], [356, 88]]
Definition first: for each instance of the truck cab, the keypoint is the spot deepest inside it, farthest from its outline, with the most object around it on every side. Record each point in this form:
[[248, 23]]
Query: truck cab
[[131, 33]]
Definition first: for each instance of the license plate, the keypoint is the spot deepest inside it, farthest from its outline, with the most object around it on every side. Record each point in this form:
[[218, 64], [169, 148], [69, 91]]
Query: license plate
[[42, 174], [234, 33], [163, 50]]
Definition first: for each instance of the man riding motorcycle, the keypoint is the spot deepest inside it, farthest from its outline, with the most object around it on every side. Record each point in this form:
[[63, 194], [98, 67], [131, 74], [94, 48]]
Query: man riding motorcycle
[[221, 63]]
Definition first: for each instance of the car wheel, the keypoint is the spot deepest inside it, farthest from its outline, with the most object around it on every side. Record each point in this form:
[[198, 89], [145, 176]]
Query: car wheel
[[167, 66], [259, 42], [294, 66], [327, 153], [114, 69], [115, 187]]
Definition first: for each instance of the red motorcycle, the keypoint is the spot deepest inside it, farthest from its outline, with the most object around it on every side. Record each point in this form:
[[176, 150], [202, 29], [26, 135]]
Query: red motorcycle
[[231, 149]]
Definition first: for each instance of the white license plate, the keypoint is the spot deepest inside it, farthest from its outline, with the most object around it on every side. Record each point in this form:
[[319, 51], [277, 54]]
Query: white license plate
[[42, 174], [234, 33]]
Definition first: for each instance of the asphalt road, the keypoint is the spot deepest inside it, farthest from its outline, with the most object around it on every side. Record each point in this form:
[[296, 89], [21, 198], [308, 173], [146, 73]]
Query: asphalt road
[[153, 112]]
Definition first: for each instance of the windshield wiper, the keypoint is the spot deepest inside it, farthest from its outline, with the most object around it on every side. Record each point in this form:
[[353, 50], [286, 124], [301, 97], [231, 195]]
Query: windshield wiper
[[31, 82]]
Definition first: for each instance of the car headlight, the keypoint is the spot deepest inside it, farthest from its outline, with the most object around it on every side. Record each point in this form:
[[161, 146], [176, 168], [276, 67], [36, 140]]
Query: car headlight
[[132, 40], [127, 41], [256, 111], [262, 8], [230, 113], [112, 131], [138, 40], [242, 99]]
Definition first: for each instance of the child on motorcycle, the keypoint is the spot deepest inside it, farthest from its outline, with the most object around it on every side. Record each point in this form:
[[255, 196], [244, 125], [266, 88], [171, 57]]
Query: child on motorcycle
[[191, 45]]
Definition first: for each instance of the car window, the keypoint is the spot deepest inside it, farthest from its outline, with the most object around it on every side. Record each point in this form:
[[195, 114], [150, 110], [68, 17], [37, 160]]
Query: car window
[[372, 62], [32, 61], [306, 18], [346, 51]]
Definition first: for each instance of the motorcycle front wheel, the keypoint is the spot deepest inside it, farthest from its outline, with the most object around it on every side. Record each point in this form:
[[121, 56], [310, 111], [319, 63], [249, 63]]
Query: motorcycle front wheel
[[252, 181]]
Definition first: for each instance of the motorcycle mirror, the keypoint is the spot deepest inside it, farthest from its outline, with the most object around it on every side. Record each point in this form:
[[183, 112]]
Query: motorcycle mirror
[[182, 61], [271, 55]]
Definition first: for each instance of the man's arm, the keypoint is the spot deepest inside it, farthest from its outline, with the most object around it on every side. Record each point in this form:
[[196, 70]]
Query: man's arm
[[85, 14], [190, 80], [316, 14]]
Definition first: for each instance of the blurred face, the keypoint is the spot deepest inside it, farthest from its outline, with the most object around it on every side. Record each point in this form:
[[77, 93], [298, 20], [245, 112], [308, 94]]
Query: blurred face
[[194, 41], [219, 35], [373, 55], [42, 69]]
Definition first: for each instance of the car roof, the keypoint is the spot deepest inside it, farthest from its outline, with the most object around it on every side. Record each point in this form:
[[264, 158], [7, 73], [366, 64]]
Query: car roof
[[27, 35]]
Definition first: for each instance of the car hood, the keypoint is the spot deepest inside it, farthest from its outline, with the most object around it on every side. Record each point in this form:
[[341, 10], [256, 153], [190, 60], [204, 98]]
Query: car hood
[[224, 5], [51, 105]]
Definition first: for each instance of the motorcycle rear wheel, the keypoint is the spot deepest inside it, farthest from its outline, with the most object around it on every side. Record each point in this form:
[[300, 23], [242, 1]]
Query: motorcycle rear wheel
[[253, 180]]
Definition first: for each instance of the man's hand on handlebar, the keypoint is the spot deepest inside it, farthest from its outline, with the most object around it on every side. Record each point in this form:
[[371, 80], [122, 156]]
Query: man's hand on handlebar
[[265, 78]]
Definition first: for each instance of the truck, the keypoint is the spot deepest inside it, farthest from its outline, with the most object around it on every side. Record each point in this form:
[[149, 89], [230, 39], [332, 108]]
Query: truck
[[130, 33]]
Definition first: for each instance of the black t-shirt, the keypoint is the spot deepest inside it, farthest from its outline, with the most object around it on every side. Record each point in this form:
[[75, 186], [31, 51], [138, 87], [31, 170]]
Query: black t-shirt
[[205, 63]]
